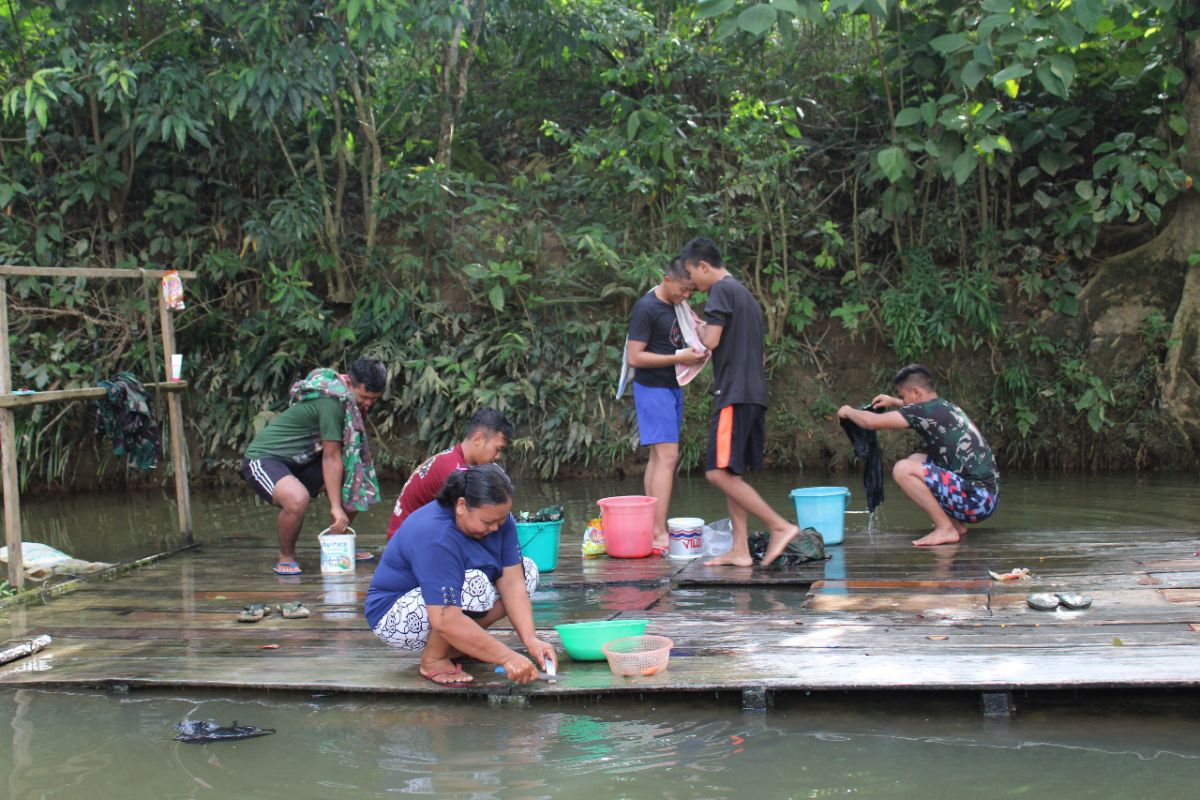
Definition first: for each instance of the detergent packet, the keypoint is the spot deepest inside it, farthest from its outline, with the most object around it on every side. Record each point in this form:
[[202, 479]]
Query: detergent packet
[[593, 540], [172, 291]]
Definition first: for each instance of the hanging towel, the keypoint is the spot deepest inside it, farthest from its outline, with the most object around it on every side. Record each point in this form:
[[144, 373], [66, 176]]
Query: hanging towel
[[866, 445], [684, 373], [124, 416], [360, 486]]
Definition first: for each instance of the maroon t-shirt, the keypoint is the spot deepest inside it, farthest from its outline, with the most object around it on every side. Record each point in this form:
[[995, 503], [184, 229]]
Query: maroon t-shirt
[[424, 484]]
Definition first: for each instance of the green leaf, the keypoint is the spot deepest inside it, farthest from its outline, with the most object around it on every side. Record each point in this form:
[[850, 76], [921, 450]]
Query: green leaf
[[1087, 13], [1028, 174], [1068, 32], [950, 43], [973, 73], [892, 161], [1085, 190], [788, 7], [997, 6], [1178, 124], [907, 117], [1064, 68], [1153, 212], [757, 20], [1051, 82], [964, 165], [1015, 72], [929, 112], [496, 296], [713, 8], [631, 126]]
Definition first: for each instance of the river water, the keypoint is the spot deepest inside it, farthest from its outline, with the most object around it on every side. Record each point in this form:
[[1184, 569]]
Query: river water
[[92, 745]]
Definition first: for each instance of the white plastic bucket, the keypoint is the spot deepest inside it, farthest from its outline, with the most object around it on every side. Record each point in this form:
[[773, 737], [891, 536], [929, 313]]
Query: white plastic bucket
[[685, 537], [337, 552]]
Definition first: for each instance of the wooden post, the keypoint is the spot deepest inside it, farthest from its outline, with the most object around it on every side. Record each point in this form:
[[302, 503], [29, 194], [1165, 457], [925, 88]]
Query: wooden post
[[183, 500], [8, 446]]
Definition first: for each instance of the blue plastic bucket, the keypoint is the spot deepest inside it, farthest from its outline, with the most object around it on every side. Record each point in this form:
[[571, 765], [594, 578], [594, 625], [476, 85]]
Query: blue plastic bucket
[[823, 508], [539, 541]]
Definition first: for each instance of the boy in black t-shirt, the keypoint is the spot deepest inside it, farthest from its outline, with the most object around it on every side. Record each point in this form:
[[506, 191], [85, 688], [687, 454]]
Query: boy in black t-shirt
[[733, 331], [654, 339]]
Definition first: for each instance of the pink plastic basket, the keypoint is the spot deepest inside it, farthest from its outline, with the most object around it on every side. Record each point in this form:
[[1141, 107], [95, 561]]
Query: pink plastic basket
[[638, 655]]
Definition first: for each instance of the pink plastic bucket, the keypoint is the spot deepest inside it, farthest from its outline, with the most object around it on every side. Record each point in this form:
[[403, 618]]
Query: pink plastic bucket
[[628, 523]]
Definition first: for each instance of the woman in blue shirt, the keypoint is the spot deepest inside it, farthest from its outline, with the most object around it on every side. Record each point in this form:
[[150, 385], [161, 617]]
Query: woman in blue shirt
[[452, 570]]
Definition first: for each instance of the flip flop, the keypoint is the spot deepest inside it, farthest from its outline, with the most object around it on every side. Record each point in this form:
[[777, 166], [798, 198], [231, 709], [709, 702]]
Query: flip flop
[[658, 551], [287, 568], [363, 555], [294, 610], [253, 613], [448, 684]]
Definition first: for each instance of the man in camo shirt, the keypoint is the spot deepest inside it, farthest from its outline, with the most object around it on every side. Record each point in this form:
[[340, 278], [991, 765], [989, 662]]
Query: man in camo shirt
[[955, 480]]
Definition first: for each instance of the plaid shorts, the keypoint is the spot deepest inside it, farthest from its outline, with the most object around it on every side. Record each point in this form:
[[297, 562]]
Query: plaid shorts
[[964, 500]]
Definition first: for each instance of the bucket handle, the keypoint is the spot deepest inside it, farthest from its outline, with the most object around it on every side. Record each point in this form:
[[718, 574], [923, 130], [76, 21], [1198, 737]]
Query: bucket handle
[[349, 530], [847, 496]]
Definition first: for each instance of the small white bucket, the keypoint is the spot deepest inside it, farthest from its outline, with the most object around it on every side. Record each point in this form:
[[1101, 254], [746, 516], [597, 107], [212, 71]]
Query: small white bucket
[[337, 552], [685, 537]]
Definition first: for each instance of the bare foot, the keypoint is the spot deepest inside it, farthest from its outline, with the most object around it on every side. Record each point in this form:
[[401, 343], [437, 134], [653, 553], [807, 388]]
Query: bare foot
[[937, 536], [959, 526], [730, 560], [445, 672], [661, 542], [778, 542]]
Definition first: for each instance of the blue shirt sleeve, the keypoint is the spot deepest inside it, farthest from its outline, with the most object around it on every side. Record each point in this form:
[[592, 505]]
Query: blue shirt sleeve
[[510, 549], [440, 570], [719, 308]]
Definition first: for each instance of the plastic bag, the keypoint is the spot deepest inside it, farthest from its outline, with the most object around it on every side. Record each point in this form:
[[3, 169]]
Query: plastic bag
[[172, 291], [718, 537], [593, 540]]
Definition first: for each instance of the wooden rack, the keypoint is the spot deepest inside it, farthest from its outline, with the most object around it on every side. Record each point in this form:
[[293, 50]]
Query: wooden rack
[[9, 402]]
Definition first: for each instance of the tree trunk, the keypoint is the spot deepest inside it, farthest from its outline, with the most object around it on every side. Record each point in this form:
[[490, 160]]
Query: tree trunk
[[453, 80], [1157, 277]]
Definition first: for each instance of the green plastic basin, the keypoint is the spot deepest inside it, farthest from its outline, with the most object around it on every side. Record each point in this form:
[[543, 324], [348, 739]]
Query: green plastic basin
[[583, 640]]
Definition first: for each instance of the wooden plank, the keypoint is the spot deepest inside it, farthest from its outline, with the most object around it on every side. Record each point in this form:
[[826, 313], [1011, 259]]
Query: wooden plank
[[183, 500], [9, 477], [697, 573], [8, 400], [87, 272]]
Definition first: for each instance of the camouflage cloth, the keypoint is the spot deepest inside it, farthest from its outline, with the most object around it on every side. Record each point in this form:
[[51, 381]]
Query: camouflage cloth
[[360, 487], [124, 416], [808, 546], [952, 441]]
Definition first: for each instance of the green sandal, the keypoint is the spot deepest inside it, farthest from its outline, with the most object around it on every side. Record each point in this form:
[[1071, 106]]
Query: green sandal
[[294, 610], [253, 613]]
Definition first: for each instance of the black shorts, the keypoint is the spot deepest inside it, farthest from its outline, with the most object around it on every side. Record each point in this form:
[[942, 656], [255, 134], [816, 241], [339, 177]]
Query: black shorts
[[263, 473], [736, 438]]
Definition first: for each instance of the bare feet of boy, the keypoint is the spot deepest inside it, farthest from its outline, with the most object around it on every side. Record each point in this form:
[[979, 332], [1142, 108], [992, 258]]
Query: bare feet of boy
[[942, 535], [779, 540], [731, 560]]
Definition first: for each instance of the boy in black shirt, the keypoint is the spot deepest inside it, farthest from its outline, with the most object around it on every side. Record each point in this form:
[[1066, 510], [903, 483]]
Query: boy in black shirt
[[654, 339], [734, 333]]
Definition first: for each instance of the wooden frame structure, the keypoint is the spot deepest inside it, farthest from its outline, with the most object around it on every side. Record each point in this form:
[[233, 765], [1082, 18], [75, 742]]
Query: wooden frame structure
[[9, 402]]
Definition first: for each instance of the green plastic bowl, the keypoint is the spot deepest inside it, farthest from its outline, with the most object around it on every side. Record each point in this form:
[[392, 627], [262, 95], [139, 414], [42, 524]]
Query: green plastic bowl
[[583, 640]]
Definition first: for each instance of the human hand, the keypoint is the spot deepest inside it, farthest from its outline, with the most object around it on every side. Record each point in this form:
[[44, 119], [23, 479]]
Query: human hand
[[689, 356], [886, 401], [340, 520], [519, 669], [542, 652], [844, 412]]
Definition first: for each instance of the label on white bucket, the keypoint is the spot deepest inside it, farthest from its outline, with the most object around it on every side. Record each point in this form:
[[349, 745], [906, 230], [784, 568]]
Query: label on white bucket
[[337, 551], [685, 537]]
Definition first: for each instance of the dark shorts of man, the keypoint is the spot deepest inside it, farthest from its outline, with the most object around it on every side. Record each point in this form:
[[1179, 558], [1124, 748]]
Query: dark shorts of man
[[966, 501], [263, 473], [737, 437]]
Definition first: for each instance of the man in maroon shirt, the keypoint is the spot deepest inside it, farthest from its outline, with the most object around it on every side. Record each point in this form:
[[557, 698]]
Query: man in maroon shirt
[[487, 435]]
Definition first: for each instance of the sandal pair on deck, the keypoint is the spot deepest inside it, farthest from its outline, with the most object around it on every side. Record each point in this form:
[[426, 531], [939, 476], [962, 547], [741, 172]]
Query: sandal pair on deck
[[293, 568], [256, 611]]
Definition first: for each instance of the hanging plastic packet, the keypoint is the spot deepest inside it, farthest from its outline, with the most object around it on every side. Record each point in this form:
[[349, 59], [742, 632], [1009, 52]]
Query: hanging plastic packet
[[593, 540], [172, 290]]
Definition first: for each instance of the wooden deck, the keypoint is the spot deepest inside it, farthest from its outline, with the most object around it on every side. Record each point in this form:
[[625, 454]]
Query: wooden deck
[[881, 615]]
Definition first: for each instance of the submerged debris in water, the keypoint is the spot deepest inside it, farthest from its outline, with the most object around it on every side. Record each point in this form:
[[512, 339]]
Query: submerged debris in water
[[194, 731]]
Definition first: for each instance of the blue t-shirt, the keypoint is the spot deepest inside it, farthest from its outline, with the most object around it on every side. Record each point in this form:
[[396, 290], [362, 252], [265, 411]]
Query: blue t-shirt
[[430, 551]]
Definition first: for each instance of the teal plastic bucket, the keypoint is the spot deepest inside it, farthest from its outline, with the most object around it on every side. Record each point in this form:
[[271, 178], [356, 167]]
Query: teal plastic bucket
[[539, 541], [823, 508]]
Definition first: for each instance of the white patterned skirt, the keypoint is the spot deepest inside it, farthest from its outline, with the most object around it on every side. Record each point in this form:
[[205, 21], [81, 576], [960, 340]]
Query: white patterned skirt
[[405, 626]]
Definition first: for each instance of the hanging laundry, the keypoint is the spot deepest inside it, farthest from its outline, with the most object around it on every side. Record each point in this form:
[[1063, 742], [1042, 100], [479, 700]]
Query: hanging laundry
[[125, 417], [866, 445]]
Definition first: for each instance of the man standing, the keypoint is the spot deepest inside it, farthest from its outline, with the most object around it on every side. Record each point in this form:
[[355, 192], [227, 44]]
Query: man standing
[[319, 442], [955, 480], [488, 433], [655, 346], [733, 331]]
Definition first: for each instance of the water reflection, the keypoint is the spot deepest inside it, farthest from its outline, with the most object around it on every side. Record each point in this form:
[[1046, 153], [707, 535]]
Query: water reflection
[[94, 746]]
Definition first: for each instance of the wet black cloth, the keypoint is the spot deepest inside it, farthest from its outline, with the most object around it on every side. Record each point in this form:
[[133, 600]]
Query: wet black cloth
[[808, 546], [124, 415], [200, 731], [866, 445]]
